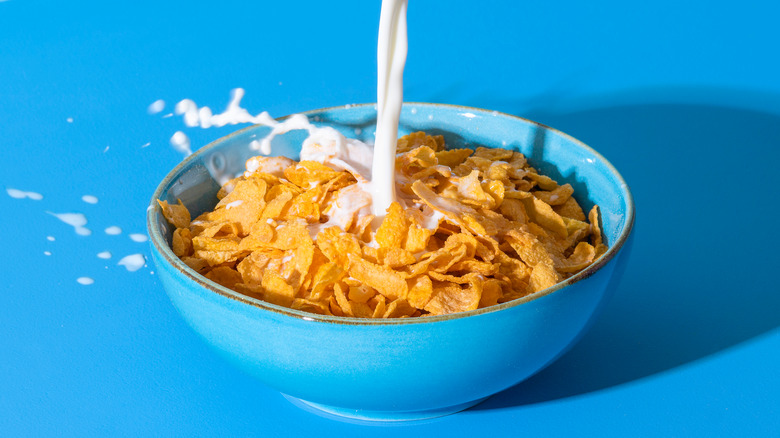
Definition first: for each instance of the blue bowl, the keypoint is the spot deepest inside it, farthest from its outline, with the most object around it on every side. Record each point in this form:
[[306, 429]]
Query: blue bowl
[[399, 369]]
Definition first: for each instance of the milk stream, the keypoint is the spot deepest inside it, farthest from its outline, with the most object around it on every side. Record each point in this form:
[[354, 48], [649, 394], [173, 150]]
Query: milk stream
[[373, 168], [392, 48]]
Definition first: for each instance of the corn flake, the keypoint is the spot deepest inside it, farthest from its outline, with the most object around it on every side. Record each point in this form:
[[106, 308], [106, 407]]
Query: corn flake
[[471, 229]]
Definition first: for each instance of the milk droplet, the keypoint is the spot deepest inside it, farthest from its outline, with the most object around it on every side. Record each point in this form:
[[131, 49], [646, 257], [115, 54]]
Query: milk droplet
[[104, 255], [189, 110], [85, 281], [139, 237], [133, 262], [113, 230], [181, 143], [69, 119], [47, 253], [50, 238], [156, 106], [89, 199], [19, 194]]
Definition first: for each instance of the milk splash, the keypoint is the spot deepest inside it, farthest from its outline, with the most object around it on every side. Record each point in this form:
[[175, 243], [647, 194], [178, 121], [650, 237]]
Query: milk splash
[[374, 168], [233, 114]]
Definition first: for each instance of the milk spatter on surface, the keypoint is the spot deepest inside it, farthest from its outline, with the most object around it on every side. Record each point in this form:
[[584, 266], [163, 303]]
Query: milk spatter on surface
[[113, 230], [76, 220], [132, 262], [137, 237], [89, 199], [21, 194]]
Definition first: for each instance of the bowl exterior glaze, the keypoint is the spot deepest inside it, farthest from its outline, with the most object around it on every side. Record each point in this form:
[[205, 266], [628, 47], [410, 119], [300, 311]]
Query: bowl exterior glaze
[[410, 368]]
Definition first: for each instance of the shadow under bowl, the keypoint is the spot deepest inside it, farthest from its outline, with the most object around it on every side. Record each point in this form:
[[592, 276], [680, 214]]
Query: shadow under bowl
[[398, 369]]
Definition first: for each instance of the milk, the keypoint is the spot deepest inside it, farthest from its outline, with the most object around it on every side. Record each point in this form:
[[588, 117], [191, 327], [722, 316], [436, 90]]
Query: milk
[[391, 58], [373, 167]]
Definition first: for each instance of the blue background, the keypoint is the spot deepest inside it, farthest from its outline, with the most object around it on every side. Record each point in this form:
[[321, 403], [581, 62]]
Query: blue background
[[683, 97]]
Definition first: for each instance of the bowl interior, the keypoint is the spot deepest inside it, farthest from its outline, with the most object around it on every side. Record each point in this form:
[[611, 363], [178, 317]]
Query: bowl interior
[[563, 158]]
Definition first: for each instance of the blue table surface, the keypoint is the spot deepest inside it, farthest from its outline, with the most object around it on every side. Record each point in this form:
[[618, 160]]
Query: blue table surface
[[682, 97]]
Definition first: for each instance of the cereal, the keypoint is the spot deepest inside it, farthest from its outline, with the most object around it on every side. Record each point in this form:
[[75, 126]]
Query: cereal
[[471, 228]]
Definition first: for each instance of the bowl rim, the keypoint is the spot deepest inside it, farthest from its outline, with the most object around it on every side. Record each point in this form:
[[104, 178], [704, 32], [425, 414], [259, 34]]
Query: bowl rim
[[159, 243]]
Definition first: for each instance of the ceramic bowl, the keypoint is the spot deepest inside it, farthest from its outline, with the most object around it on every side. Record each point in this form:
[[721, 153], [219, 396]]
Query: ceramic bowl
[[411, 368]]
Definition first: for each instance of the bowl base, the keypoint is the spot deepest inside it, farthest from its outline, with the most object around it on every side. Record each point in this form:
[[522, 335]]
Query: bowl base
[[361, 415]]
